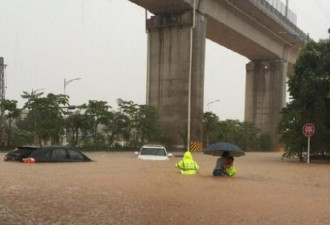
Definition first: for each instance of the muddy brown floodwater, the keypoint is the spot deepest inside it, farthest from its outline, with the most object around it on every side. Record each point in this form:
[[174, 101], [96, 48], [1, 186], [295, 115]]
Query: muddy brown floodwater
[[119, 189]]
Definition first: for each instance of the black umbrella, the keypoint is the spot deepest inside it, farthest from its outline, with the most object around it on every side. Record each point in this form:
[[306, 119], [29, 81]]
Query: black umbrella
[[218, 148]]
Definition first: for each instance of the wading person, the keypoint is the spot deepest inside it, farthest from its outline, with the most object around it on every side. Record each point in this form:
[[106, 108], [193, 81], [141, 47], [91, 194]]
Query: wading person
[[218, 170], [228, 167], [187, 165]]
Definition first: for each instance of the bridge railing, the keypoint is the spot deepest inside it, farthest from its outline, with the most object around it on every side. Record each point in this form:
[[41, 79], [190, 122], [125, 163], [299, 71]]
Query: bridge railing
[[281, 7], [278, 10]]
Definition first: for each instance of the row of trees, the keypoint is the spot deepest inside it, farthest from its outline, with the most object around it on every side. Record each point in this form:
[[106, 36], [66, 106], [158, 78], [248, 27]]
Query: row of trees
[[310, 101], [244, 134], [49, 119]]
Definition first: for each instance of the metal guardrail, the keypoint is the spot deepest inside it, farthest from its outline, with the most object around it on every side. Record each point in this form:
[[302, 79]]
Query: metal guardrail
[[277, 4], [278, 8]]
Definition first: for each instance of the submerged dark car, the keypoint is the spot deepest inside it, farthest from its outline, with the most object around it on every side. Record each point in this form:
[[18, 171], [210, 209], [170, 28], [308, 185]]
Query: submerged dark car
[[20, 153], [49, 154]]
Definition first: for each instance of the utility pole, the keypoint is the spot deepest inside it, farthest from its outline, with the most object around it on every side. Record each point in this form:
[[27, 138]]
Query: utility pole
[[2, 79], [2, 97]]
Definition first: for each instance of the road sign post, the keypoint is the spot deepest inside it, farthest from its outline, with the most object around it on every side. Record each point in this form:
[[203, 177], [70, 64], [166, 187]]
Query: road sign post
[[308, 130]]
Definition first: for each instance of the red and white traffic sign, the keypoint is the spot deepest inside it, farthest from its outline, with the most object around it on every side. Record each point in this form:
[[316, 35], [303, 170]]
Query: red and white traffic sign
[[308, 129]]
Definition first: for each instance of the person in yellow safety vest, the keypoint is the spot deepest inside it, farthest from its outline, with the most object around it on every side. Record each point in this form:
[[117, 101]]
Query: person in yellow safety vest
[[229, 168], [187, 165]]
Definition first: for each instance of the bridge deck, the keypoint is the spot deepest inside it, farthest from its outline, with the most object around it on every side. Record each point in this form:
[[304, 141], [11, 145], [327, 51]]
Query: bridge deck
[[240, 21]]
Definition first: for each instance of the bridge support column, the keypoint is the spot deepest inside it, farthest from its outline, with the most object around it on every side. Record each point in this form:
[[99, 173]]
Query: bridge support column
[[169, 81], [265, 94]]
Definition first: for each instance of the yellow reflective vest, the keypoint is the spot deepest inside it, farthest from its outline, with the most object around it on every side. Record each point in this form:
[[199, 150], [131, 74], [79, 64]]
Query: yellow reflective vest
[[231, 171], [187, 165]]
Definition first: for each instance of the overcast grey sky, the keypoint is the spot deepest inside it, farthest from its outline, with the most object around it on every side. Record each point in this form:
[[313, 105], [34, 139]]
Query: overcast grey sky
[[104, 43]]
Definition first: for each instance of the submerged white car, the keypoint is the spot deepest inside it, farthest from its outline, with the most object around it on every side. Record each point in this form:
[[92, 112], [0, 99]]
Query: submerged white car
[[153, 152]]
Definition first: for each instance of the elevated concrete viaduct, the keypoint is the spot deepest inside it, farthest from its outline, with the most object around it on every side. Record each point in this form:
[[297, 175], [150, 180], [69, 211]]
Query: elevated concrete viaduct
[[176, 55]]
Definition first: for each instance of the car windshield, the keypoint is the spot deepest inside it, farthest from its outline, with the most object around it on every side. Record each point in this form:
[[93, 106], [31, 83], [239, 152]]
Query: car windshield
[[153, 151]]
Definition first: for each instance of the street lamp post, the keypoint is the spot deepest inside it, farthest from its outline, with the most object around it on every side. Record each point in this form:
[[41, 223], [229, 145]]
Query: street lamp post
[[66, 82], [208, 104]]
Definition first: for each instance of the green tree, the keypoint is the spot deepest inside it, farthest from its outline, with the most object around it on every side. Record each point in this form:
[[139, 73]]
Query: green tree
[[248, 137], [22, 137], [147, 123], [10, 112], [96, 114], [229, 131], [144, 122], [46, 115], [130, 109], [76, 122], [117, 127], [290, 130], [244, 134], [310, 93], [211, 128], [24, 133]]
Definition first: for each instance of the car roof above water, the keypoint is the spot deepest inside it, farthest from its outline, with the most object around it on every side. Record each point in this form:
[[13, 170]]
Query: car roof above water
[[152, 146]]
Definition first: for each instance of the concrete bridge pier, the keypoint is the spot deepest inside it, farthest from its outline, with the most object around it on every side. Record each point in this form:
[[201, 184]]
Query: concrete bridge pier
[[172, 86], [265, 94]]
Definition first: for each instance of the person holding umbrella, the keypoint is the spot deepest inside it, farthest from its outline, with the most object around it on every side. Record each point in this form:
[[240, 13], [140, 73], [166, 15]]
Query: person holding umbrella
[[218, 170], [224, 165], [187, 165]]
